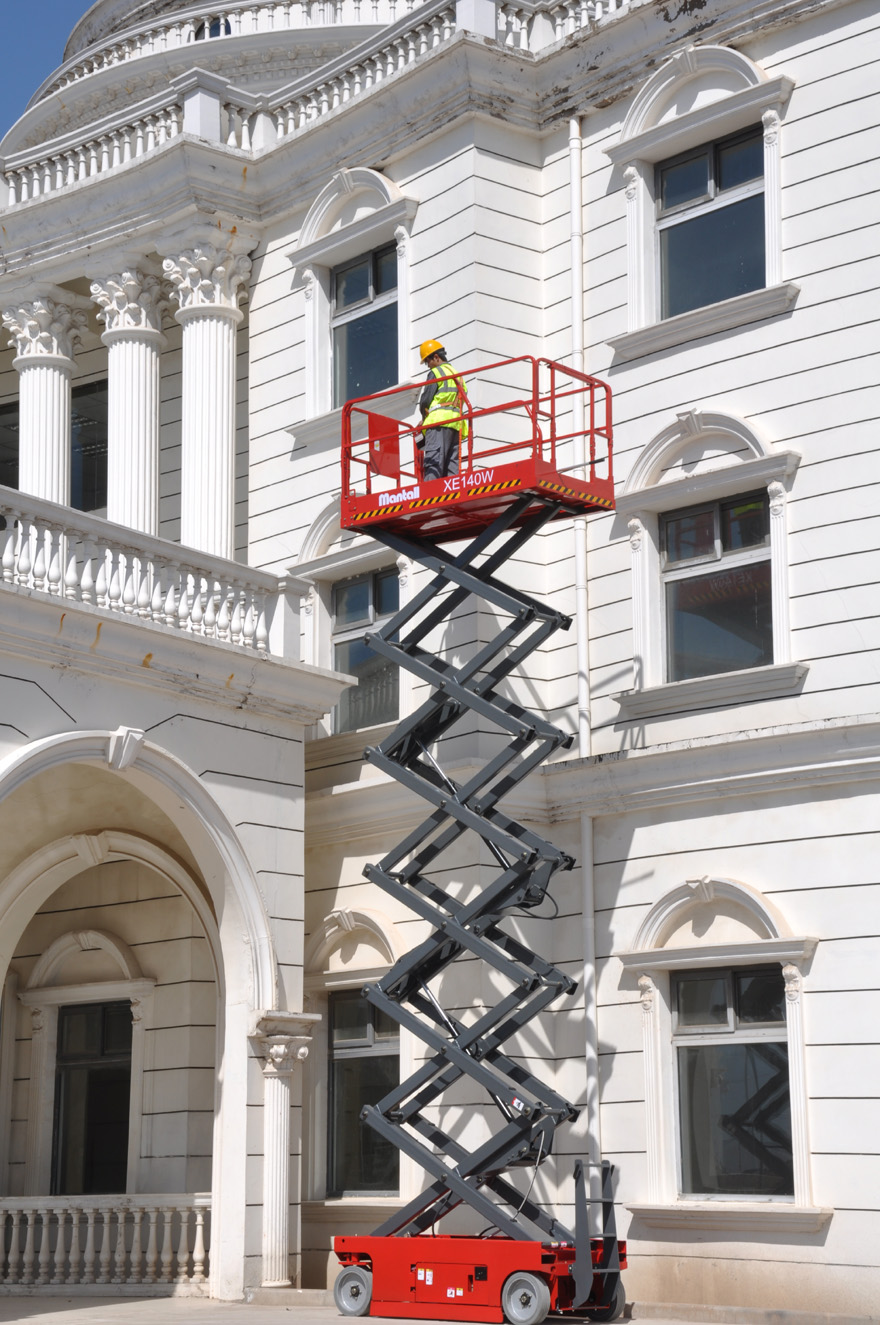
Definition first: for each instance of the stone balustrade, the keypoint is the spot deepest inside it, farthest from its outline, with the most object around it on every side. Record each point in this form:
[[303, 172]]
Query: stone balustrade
[[528, 26], [66, 554], [159, 1243]]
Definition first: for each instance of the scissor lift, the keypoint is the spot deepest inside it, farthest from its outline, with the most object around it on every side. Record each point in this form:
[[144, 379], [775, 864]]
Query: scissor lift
[[526, 1263]]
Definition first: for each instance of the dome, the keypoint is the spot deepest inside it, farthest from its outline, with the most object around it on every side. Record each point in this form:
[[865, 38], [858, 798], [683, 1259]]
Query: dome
[[109, 16]]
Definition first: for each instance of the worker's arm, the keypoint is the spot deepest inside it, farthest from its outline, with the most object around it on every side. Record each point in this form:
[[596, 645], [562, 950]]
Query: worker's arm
[[429, 391]]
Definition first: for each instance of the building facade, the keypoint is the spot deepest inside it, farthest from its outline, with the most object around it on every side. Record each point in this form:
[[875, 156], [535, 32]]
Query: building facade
[[218, 224]]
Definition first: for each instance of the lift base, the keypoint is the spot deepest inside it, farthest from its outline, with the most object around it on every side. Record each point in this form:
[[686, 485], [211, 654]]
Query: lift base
[[463, 1278]]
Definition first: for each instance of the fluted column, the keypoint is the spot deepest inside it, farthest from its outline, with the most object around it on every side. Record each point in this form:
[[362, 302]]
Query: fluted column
[[132, 306], [283, 1052], [45, 335], [207, 284]]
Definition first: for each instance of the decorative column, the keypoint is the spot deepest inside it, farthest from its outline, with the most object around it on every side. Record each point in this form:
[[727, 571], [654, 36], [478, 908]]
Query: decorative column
[[797, 1083], [132, 306], [207, 284], [283, 1052], [45, 335]]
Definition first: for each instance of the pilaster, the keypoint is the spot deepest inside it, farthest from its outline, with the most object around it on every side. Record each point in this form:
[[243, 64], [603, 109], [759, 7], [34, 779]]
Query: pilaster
[[283, 1054], [132, 305], [45, 335], [207, 284]]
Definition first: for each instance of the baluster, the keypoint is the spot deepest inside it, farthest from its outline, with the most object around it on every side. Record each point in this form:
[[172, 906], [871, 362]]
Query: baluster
[[119, 1259], [199, 1252], [126, 144], [25, 551], [147, 575], [12, 1273], [60, 1250], [152, 1246], [10, 536], [115, 150], [88, 1271], [135, 1272], [59, 172], [83, 170], [73, 1264], [93, 158], [39, 571], [250, 621], [104, 1256], [197, 613], [209, 628], [173, 573], [182, 1274], [245, 132], [261, 628], [35, 181], [129, 587], [151, 132], [139, 138], [72, 579], [28, 1267], [105, 154], [114, 592], [156, 608], [12, 197], [237, 623], [225, 616], [45, 1249], [54, 535], [25, 185], [102, 557], [70, 159], [183, 604], [167, 1250]]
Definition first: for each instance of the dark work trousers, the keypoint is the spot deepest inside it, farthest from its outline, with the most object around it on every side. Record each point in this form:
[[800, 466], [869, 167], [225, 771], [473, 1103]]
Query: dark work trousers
[[440, 456]]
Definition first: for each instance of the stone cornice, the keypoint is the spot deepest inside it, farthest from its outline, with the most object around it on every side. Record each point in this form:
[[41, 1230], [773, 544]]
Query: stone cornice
[[768, 761], [102, 646]]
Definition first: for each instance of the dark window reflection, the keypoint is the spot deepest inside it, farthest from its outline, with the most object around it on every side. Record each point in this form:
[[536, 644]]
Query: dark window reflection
[[364, 1067]]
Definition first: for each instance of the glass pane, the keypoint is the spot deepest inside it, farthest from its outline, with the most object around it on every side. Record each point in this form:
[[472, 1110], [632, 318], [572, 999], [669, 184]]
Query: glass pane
[[79, 1031], [745, 523], [740, 162], [360, 1159], [117, 1029], [690, 535], [88, 457], [376, 697], [701, 1000], [685, 182], [9, 446], [353, 284], [365, 355], [386, 270], [351, 603], [387, 593], [735, 1120], [713, 256], [721, 622], [349, 1018], [760, 996], [384, 1027]]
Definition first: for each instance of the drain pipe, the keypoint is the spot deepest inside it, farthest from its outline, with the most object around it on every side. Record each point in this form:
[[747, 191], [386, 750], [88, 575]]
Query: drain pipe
[[582, 626]]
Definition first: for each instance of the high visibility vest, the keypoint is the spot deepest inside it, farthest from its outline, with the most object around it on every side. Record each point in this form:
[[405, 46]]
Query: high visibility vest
[[449, 401]]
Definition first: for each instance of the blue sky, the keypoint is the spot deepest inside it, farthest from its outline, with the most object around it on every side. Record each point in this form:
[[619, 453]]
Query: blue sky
[[34, 34]]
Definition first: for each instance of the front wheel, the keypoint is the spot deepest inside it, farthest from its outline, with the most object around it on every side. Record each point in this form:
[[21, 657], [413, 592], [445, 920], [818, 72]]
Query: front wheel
[[525, 1298], [614, 1308], [353, 1290]]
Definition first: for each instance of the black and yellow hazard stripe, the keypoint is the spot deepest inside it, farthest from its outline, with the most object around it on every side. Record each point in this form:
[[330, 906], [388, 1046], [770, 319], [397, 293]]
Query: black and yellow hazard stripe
[[580, 496], [378, 510], [493, 487], [435, 501]]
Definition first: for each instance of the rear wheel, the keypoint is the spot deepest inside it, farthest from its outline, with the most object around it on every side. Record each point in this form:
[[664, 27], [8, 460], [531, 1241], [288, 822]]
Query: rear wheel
[[353, 1290], [614, 1308], [525, 1298]]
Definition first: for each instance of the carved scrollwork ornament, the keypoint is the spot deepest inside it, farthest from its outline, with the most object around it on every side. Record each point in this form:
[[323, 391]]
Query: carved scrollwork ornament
[[630, 183], [770, 121], [793, 982], [207, 277], [131, 301], [647, 989], [776, 494], [400, 238], [636, 530], [44, 328], [283, 1055]]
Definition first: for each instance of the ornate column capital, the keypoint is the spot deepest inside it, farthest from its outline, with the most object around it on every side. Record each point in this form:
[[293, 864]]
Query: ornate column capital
[[283, 1054], [44, 330], [206, 279], [130, 302]]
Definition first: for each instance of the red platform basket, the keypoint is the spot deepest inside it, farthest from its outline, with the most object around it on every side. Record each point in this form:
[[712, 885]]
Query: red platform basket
[[511, 449]]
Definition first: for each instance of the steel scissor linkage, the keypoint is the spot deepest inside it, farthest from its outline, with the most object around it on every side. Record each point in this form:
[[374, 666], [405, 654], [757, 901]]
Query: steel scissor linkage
[[462, 1043]]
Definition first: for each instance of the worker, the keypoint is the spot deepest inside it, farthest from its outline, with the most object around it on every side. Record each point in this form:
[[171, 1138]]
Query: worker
[[442, 404]]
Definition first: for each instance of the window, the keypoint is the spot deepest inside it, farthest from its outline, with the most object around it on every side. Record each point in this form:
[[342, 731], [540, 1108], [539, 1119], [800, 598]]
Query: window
[[216, 28], [364, 1066], [710, 222], [92, 1090], [364, 325], [88, 447], [360, 605], [729, 1034], [717, 586]]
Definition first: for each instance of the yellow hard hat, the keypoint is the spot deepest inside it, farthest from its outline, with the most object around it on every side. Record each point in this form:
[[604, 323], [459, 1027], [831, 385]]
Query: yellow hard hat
[[429, 347]]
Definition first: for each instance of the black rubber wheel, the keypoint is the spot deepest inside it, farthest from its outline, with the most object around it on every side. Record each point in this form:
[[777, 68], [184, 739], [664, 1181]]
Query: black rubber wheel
[[614, 1308], [353, 1290], [525, 1298]]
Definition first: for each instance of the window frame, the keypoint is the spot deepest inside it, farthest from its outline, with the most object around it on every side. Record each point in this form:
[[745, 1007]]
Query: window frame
[[681, 1037], [649, 136], [367, 1048], [361, 308], [355, 631], [714, 201], [693, 567]]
